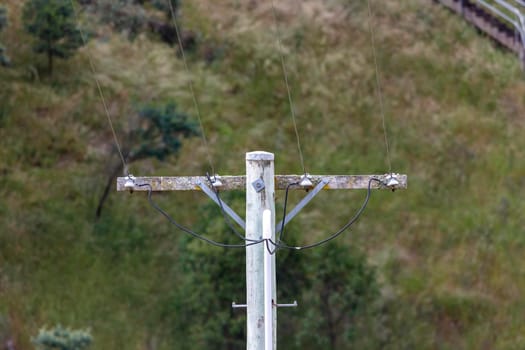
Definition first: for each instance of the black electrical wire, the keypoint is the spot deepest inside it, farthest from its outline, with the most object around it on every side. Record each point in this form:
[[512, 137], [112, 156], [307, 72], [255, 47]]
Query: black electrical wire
[[226, 218], [267, 244], [279, 245], [189, 231], [281, 232]]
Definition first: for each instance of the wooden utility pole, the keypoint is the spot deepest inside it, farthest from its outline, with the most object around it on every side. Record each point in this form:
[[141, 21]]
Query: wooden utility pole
[[260, 196], [260, 184]]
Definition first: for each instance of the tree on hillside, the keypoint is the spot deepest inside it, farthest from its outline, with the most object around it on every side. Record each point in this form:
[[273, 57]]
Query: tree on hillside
[[4, 60], [52, 23], [165, 28], [336, 289], [210, 278], [157, 133], [340, 300]]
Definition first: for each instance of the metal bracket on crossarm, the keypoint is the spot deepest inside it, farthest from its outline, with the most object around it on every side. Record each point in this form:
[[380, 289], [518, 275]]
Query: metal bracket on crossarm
[[302, 203], [210, 193]]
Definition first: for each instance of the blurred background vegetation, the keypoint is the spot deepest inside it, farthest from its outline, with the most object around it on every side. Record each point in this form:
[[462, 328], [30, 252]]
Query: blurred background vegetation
[[434, 267]]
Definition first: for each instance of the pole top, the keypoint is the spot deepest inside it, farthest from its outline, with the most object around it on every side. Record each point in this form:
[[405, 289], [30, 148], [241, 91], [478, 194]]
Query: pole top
[[259, 155]]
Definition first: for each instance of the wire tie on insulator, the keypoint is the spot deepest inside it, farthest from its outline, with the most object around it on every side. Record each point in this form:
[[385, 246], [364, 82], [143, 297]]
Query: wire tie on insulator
[[216, 181], [130, 183], [306, 181], [392, 181]]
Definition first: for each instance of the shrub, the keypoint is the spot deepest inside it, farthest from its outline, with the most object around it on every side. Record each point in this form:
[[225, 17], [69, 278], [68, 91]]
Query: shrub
[[62, 338], [124, 16]]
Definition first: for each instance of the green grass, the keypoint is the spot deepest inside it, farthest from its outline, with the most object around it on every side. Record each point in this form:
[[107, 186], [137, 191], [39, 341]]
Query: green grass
[[447, 250]]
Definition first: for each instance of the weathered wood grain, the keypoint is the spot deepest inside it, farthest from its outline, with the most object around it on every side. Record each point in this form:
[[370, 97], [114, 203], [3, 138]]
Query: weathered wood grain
[[190, 183]]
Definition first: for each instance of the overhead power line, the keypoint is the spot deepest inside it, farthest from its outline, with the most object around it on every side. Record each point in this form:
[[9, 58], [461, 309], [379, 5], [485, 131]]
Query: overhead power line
[[101, 94]]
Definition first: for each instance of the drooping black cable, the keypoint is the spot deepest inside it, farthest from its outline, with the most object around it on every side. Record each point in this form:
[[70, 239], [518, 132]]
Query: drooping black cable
[[189, 231], [279, 245], [281, 232], [226, 218]]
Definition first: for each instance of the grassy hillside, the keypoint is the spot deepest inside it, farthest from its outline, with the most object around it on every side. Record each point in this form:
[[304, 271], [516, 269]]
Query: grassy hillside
[[447, 251]]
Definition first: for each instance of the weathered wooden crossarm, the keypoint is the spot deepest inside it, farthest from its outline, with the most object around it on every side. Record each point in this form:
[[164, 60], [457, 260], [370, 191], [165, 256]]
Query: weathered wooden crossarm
[[190, 183]]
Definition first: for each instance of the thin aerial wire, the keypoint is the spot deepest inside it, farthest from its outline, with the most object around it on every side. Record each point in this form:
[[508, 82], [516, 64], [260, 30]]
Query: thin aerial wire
[[378, 83], [99, 88], [285, 74], [195, 103]]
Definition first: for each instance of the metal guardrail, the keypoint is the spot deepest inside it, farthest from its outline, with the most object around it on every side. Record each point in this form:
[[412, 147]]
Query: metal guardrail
[[511, 12]]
